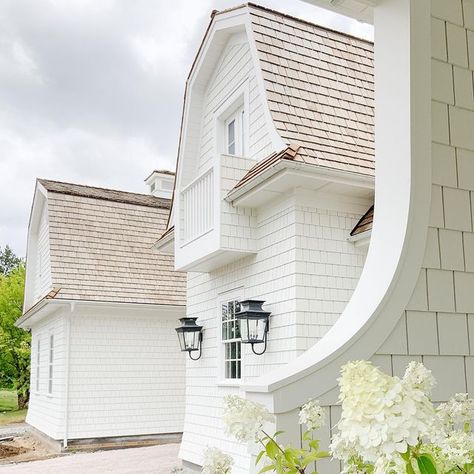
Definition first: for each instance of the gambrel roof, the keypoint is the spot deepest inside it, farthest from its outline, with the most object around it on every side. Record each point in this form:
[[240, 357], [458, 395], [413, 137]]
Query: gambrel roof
[[101, 246], [319, 85]]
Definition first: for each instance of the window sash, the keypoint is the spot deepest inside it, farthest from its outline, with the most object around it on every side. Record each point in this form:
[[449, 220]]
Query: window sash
[[232, 347], [51, 364], [235, 133], [38, 364]]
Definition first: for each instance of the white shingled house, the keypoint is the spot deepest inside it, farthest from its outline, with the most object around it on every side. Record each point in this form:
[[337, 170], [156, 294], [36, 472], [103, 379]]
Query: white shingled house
[[273, 202], [102, 307], [268, 199]]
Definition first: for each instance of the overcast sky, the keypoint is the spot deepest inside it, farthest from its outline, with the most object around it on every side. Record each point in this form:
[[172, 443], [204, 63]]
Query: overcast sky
[[91, 91]]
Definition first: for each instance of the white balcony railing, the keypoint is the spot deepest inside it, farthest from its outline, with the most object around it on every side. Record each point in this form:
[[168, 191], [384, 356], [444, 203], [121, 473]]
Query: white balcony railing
[[198, 207]]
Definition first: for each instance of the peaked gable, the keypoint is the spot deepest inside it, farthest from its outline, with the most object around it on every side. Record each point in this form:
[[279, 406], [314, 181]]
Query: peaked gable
[[100, 247]]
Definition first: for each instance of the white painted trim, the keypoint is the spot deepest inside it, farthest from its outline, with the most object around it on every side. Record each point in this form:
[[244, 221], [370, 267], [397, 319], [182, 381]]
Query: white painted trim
[[195, 180], [40, 202], [231, 295], [277, 141], [403, 157], [342, 7], [166, 244], [48, 306], [335, 176], [360, 239], [67, 357]]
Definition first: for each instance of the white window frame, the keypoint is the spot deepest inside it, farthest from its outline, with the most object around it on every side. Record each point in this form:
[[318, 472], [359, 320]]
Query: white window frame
[[222, 379], [51, 363], [235, 106], [38, 365], [238, 118]]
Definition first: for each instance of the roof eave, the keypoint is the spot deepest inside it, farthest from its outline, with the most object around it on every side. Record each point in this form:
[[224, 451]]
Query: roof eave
[[48, 306], [349, 177], [361, 10], [363, 238], [165, 244]]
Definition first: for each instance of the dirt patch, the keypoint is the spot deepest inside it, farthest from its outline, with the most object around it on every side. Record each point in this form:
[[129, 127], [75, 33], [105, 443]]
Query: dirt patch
[[24, 448], [7, 451]]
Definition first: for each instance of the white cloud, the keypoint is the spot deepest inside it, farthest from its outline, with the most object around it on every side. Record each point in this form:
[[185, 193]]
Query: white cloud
[[91, 91]]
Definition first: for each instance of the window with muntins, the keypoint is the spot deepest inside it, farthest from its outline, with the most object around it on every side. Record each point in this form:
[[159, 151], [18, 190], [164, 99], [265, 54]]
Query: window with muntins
[[235, 131], [231, 340], [51, 359], [38, 360]]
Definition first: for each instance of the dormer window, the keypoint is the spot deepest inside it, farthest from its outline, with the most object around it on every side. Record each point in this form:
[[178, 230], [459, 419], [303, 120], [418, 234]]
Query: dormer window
[[234, 128]]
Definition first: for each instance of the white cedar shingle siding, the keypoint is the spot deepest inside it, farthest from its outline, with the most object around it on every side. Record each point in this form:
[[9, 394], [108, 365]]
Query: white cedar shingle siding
[[42, 277], [437, 327], [234, 68], [126, 374], [46, 411], [298, 247]]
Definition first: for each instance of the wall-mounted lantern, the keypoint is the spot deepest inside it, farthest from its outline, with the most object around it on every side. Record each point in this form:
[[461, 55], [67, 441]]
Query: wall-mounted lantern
[[254, 324], [190, 337]]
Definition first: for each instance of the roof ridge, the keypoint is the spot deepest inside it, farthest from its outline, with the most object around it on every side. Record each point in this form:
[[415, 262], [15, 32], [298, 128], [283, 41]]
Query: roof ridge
[[99, 188], [105, 194], [291, 17]]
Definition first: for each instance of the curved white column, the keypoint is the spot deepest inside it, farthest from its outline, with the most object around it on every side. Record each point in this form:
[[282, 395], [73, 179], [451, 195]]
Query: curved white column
[[403, 194]]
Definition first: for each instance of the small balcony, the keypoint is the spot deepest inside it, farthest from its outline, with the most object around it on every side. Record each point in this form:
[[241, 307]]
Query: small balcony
[[197, 202], [210, 232]]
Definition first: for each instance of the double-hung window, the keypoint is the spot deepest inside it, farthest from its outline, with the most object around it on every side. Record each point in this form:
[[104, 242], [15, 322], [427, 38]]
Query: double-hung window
[[235, 133], [38, 364], [232, 359], [50, 366]]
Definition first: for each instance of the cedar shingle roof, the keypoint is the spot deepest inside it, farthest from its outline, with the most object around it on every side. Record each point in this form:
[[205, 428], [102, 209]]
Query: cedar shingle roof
[[365, 222], [287, 154], [101, 246], [103, 193], [320, 89]]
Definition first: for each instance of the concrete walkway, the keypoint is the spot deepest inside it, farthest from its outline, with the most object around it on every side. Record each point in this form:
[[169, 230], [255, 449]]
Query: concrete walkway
[[14, 429], [150, 460]]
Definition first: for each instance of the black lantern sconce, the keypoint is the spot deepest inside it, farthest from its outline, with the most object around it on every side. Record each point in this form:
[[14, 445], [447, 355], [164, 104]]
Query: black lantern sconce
[[254, 324], [190, 337]]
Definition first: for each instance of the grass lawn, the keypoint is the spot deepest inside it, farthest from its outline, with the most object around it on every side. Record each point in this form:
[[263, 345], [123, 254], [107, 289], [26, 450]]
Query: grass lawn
[[9, 412]]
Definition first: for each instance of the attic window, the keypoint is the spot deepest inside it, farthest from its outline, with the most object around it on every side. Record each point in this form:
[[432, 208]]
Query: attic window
[[234, 129]]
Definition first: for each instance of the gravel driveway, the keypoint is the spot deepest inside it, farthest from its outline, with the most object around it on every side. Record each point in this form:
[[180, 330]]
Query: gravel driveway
[[150, 460]]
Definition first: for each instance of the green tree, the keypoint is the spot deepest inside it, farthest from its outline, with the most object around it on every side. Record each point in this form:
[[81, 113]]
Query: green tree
[[8, 260], [14, 342]]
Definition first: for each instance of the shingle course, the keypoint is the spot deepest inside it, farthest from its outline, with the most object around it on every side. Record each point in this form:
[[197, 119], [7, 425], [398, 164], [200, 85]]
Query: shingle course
[[320, 90], [101, 246]]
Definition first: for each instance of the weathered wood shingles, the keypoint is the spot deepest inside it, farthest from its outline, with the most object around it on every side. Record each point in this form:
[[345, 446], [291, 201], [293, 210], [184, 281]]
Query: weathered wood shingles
[[102, 246], [365, 223], [320, 89]]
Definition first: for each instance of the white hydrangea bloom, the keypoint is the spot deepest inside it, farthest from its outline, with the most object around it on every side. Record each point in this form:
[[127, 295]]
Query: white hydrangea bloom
[[245, 419], [419, 377], [457, 449], [312, 415], [216, 462], [382, 415], [458, 410]]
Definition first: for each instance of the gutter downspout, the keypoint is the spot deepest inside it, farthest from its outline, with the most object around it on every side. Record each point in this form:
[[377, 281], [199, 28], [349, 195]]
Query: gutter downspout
[[66, 374]]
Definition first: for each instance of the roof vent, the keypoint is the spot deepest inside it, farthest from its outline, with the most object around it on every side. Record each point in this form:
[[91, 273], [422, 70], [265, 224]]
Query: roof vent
[[161, 183]]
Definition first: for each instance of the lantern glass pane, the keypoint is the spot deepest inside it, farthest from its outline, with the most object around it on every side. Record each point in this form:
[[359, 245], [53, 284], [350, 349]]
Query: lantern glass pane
[[190, 340], [253, 330], [181, 340]]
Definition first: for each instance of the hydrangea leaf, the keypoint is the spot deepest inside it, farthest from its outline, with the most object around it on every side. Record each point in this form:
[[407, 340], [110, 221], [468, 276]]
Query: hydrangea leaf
[[426, 465]]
